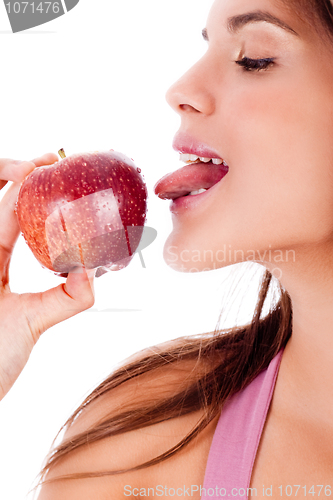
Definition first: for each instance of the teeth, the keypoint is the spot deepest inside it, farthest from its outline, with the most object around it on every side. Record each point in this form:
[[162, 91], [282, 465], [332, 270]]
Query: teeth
[[184, 157], [197, 192], [187, 158]]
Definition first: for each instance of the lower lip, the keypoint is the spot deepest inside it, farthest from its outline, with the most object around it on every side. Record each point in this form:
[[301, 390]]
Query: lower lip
[[189, 202]]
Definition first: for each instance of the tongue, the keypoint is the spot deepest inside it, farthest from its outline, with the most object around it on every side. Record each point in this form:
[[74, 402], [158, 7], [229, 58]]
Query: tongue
[[189, 178]]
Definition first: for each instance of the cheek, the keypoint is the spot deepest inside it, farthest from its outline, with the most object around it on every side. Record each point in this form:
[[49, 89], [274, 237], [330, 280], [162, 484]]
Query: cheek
[[266, 120], [279, 139]]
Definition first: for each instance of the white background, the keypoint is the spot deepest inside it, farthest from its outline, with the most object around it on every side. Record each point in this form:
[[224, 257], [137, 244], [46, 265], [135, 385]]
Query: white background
[[93, 79]]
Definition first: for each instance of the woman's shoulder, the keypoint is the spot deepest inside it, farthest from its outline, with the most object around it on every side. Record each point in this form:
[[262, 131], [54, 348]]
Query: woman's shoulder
[[131, 448]]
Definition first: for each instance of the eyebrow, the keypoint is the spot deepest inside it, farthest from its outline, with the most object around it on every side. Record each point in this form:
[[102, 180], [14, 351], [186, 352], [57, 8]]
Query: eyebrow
[[235, 23]]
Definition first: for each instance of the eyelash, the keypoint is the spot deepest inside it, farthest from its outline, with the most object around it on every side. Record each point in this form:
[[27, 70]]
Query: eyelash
[[255, 64]]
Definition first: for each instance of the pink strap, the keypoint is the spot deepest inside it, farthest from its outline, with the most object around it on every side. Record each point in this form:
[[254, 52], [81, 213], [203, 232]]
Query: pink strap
[[237, 435]]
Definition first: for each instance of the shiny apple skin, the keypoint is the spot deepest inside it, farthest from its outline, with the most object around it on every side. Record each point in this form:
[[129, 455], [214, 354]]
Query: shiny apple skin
[[87, 209]]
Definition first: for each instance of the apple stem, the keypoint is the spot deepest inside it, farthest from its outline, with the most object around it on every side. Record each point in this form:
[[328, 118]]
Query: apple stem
[[61, 153]]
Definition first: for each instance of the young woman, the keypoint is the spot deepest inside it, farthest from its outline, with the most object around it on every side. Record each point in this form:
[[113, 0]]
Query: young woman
[[245, 412]]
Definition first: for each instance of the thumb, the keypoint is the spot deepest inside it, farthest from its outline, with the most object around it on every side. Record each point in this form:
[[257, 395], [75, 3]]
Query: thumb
[[48, 308], [79, 287]]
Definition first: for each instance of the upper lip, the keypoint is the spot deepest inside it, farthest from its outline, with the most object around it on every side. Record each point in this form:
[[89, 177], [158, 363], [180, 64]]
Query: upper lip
[[186, 144]]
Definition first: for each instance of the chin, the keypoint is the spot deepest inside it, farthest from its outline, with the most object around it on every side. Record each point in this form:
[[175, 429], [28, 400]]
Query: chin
[[190, 252], [187, 258], [190, 267]]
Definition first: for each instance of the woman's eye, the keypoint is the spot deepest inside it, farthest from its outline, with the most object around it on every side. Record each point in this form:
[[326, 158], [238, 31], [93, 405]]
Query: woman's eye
[[255, 64]]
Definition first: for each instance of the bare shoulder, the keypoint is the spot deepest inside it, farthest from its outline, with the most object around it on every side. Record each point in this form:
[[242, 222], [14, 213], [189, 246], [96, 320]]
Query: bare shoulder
[[132, 448]]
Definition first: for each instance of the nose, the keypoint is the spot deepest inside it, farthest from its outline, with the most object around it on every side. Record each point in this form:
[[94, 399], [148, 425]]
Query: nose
[[192, 93]]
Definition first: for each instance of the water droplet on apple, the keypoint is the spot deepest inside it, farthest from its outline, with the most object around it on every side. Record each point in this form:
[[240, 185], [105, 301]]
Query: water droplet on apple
[[138, 170], [71, 181], [116, 267]]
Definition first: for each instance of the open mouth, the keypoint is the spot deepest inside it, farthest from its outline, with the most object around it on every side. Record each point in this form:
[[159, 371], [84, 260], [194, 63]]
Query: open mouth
[[197, 176]]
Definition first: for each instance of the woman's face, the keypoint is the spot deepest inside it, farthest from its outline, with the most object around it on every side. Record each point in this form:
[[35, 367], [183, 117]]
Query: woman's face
[[274, 129]]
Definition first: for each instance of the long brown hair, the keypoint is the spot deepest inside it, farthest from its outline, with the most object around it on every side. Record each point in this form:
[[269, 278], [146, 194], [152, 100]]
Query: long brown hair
[[226, 361]]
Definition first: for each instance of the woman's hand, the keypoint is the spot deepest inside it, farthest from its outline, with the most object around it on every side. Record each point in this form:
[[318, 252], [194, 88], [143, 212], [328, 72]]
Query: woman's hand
[[23, 318]]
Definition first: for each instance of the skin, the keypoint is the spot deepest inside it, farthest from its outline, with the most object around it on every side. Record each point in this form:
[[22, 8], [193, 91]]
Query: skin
[[274, 128]]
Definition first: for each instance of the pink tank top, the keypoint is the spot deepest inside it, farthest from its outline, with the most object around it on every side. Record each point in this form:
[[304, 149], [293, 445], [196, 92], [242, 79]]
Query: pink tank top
[[237, 436]]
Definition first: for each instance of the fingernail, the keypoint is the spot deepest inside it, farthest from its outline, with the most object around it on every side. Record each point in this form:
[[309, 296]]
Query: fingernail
[[91, 273]]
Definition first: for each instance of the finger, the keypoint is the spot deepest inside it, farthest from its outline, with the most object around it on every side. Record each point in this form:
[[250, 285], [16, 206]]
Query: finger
[[17, 170], [47, 159], [9, 227], [46, 309]]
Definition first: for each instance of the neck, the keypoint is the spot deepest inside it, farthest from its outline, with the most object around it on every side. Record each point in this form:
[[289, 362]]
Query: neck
[[307, 363]]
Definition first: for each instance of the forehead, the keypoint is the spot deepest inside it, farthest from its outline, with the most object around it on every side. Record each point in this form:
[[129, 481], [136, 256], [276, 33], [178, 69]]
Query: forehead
[[248, 5], [222, 10]]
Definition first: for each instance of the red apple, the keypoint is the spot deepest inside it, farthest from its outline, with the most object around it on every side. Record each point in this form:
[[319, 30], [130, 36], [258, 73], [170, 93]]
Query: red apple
[[87, 209]]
